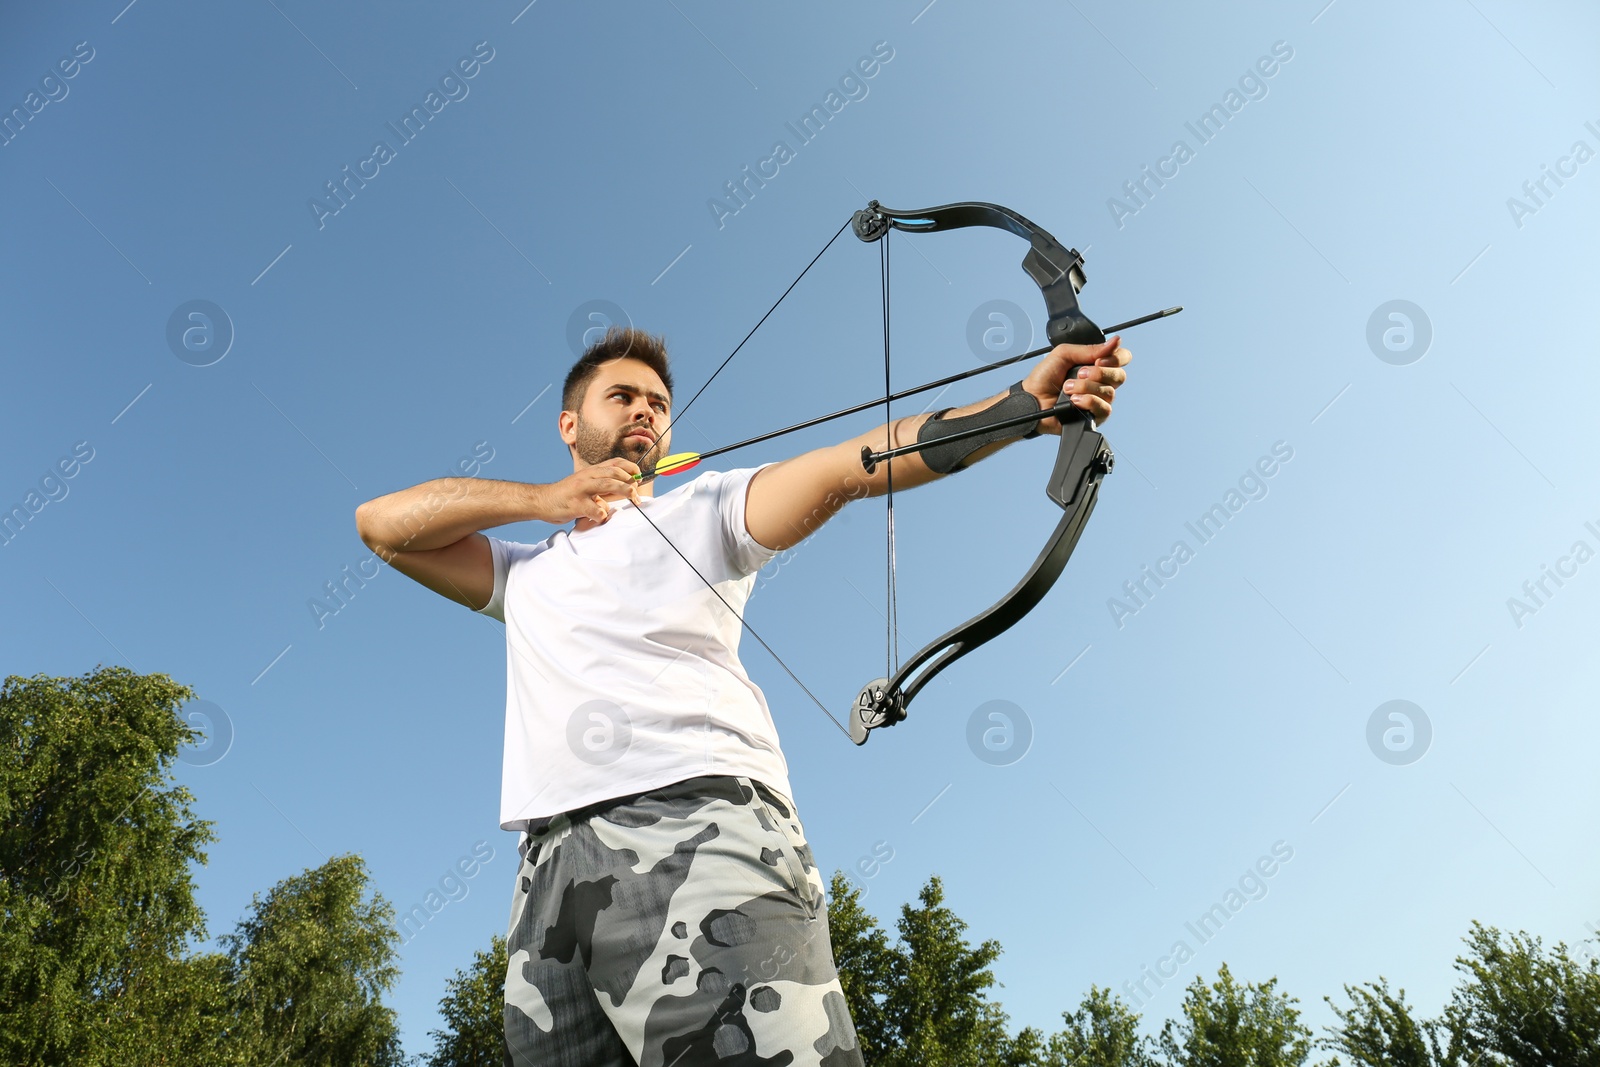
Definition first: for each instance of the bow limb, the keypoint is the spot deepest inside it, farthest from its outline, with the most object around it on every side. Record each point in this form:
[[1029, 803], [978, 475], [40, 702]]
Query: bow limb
[[1083, 460], [1054, 268]]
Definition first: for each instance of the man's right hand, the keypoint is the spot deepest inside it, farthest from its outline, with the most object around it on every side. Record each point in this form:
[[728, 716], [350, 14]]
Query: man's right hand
[[582, 495], [432, 532]]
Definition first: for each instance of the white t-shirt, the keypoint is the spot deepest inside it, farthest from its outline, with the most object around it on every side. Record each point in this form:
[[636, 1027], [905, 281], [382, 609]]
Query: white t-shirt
[[622, 667]]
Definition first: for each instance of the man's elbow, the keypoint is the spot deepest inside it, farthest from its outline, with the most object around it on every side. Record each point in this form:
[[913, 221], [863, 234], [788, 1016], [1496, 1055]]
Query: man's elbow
[[366, 521]]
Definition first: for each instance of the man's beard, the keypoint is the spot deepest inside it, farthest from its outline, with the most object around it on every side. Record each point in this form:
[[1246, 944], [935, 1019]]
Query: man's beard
[[595, 445]]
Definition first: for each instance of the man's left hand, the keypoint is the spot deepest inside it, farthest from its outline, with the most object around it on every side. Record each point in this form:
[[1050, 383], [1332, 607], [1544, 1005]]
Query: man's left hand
[[1089, 374]]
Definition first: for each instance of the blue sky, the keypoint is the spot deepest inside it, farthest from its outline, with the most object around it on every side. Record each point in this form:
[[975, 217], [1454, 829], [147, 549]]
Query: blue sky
[[1431, 460]]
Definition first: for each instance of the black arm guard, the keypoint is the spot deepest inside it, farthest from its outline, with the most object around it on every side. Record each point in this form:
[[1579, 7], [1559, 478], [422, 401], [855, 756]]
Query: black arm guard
[[947, 459]]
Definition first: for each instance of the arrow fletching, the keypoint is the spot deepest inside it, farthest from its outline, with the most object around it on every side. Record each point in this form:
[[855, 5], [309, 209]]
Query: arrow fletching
[[677, 463]]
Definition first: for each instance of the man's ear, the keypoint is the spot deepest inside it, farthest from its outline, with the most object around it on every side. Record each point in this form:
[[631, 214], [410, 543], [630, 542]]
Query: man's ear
[[567, 423]]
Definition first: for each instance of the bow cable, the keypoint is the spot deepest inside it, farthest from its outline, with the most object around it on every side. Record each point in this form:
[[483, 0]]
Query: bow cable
[[842, 728], [891, 638]]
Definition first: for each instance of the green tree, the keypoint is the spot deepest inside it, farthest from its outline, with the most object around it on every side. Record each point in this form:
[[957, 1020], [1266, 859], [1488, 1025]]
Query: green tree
[[1521, 1007], [474, 1008], [1103, 1032], [308, 968], [1228, 1025], [923, 1000], [1379, 1030], [96, 898], [97, 906], [1516, 1006], [865, 960]]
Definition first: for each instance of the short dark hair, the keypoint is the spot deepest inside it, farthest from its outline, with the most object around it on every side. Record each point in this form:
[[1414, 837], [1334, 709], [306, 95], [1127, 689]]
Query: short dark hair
[[619, 342]]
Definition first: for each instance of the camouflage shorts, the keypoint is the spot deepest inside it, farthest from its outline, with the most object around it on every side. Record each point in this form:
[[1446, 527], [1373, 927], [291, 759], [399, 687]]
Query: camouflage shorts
[[681, 927]]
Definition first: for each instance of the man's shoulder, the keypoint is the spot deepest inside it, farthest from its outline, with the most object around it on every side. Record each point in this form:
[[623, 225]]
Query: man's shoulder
[[515, 550], [735, 478]]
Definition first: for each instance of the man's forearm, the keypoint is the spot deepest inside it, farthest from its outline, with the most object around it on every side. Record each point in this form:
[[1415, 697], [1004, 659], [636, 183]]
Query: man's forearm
[[443, 511]]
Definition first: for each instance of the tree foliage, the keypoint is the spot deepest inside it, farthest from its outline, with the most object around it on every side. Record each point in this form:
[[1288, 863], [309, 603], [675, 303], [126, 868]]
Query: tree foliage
[[1378, 1030], [865, 961], [1225, 1024], [923, 999], [96, 898], [1103, 1032], [98, 921], [1516, 1006], [97, 908], [308, 967], [474, 1009], [1520, 1007]]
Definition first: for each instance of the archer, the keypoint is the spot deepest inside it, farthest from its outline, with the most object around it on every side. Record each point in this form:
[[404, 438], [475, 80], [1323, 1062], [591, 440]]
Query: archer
[[667, 907]]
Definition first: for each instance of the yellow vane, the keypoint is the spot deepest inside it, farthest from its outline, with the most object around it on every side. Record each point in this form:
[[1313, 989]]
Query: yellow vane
[[677, 463]]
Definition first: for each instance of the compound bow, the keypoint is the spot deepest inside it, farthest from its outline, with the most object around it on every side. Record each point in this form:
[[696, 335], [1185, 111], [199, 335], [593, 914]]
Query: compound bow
[[1082, 459]]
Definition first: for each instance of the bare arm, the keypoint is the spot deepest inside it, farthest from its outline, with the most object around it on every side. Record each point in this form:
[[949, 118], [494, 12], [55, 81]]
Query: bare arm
[[431, 532], [789, 501]]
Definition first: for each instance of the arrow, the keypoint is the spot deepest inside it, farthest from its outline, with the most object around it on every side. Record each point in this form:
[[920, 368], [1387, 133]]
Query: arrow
[[682, 461], [871, 459]]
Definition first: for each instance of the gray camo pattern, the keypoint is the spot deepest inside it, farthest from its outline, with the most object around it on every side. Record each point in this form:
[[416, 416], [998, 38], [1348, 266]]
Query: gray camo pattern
[[682, 927]]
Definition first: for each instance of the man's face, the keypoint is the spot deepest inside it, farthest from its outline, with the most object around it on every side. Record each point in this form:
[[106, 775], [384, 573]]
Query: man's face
[[624, 411]]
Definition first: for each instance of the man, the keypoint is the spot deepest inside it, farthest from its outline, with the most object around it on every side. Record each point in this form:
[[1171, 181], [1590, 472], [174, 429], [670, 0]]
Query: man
[[667, 908]]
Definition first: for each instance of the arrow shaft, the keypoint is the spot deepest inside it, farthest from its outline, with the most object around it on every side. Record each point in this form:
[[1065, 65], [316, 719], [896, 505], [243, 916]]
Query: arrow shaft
[[914, 390], [871, 459]]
